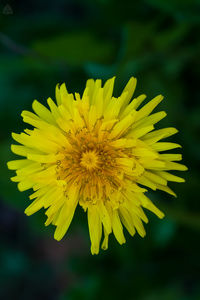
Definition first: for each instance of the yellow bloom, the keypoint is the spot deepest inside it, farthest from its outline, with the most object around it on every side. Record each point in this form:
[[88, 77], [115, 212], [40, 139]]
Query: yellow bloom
[[96, 151]]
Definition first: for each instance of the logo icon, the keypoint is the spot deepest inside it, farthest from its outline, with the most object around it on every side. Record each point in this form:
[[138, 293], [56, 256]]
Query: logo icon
[[7, 10]]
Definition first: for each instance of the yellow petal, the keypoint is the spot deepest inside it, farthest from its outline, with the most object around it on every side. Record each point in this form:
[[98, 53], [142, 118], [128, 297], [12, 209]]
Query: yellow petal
[[108, 90], [31, 168], [150, 120], [95, 228], [104, 245], [148, 108], [157, 135], [133, 105], [90, 87], [22, 150], [129, 89], [117, 227], [25, 185], [66, 214], [163, 146], [127, 220], [16, 164], [122, 126], [152, 164], [123, 143], [170, 177], [58, 97], [34, 206], [104, 216], [169, 165], [166, 189], [53, 108], [155, 177], [146, 182], [140, 132], [139, 226], [147, 203], [171, 157], [43, 112]]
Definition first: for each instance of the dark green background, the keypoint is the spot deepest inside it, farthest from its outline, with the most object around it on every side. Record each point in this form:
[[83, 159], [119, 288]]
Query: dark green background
[[43, 43]]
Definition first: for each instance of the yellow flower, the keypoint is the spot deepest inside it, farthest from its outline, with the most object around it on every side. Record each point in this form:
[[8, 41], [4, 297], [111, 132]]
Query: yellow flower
[[96, 151]]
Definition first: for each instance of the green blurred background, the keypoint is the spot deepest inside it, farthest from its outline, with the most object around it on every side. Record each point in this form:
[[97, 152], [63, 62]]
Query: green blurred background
[[43, 43]]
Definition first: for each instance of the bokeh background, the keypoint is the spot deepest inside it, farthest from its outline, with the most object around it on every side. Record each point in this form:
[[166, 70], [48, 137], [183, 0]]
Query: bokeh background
[[43, 43]]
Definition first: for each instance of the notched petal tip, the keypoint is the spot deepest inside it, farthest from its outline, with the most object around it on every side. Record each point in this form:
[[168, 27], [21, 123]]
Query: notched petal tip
[[57, 236], [161, 96], [161, 215], [21, 187], [143, 234], [14, 179], [122, 242], [10, 165], [58, 85], [13, 135], [13, 148], [182, 180], [35, 102], [94, 251], [185, 168], [27, 212], [132, 79]]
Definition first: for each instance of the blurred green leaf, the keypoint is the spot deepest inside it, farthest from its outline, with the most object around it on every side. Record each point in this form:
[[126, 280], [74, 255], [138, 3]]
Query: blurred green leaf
[[165, 40], [75, 48], [138, 38]]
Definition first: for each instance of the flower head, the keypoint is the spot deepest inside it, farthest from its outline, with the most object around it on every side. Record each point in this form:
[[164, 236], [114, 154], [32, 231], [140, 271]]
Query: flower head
[[97, 151]]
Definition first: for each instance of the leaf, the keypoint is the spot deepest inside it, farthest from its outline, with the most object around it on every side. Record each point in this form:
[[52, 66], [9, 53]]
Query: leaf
[[76, 48], [171, 37], [137, 37]]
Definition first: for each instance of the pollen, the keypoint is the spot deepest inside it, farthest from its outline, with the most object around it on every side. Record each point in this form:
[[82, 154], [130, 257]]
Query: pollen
[[89, 160], [97, 151], [91, 163]]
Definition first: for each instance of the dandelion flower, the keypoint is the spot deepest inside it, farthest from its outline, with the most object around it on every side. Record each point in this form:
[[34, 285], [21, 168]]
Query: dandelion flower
[[97, 151]]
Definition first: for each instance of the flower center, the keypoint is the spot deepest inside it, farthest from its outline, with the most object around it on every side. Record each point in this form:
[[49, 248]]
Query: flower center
[[95, 165], [89, 160]]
